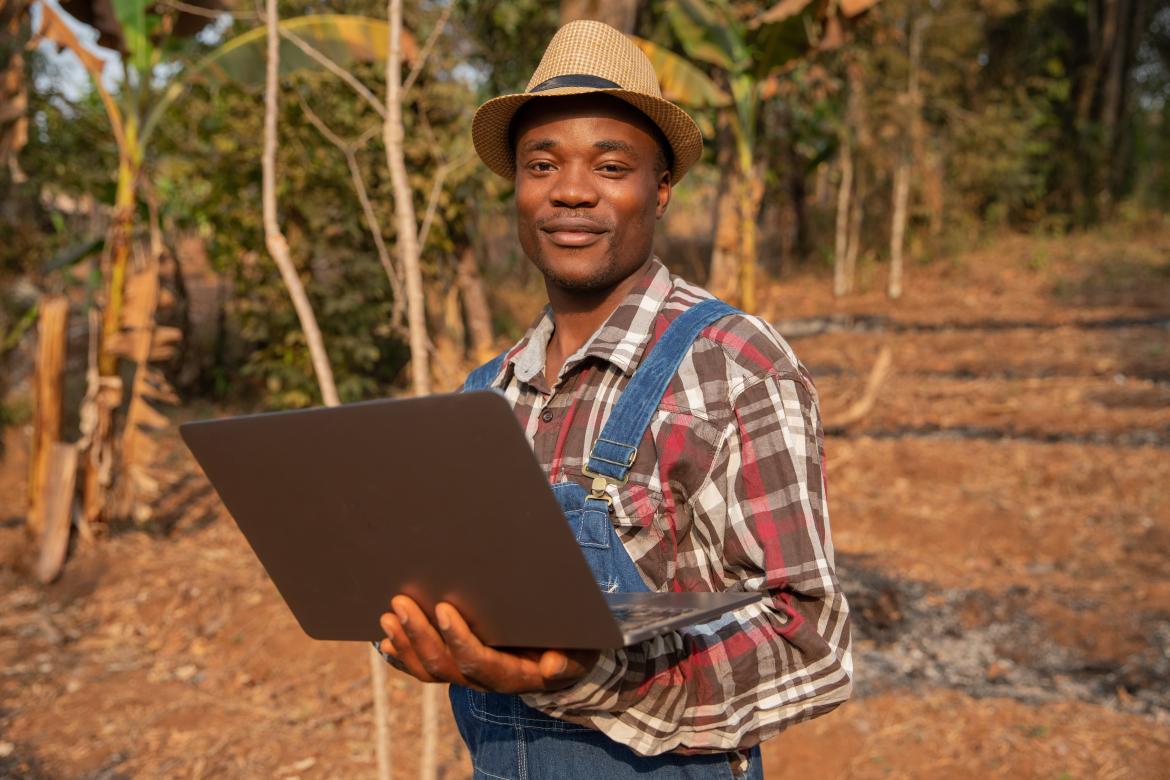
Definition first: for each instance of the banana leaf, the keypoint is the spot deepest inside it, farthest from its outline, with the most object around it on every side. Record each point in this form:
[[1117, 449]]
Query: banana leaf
[[342, 38], [682, 82], [709, 32]]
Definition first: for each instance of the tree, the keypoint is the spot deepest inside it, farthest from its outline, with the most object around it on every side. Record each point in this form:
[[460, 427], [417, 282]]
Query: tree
[[746, 50]]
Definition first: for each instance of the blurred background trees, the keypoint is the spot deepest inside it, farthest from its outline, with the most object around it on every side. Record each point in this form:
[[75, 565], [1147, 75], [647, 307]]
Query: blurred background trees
[[855, 134]]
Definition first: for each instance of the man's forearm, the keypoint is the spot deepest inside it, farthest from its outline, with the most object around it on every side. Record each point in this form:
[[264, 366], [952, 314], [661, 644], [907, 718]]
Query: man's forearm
[[722, 686]]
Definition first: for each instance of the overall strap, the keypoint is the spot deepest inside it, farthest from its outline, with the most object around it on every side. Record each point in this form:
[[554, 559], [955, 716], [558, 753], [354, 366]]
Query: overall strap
[[616, 448], [481, 378]]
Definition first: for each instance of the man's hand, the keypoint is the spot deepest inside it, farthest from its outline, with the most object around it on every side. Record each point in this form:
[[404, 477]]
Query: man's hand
[[455, 655]]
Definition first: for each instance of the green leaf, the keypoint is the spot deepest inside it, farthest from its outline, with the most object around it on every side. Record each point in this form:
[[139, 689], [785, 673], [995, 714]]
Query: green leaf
[[779, 43], [681, 81], [136, 24], [709, 32], [71, 255], [342, 38]]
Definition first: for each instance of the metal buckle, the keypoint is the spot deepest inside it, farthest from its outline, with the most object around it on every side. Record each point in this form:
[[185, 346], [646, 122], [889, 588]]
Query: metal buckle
[[595, 476], [597, 490], [628, 462]]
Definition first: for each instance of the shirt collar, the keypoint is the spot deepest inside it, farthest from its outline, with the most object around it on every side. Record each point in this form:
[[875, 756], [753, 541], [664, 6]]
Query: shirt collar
[[619, 340]]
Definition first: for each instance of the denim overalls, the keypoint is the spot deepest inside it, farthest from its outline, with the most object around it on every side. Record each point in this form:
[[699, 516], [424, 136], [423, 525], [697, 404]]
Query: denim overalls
[[509, 739]]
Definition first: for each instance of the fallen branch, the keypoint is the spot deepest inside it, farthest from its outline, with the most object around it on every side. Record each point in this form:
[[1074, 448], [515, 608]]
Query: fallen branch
[[873, 385]]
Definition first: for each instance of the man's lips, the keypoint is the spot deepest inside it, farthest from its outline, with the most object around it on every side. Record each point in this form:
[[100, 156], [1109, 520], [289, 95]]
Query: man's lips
[[573, 231]]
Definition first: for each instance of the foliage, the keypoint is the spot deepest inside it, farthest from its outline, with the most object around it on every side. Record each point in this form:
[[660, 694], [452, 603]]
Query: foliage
[[1002, 146], [209, 166]]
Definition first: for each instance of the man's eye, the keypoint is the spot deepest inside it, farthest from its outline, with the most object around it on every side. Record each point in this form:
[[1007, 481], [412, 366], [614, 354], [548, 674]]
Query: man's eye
[[612, 168], [540, 166]]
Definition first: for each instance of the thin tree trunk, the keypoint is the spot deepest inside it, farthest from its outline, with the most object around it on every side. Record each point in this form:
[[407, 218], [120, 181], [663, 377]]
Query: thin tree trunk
[[407, 224], [475, 306], [381, 712], [751, 187], [844, 194], [898, 225], [905, 162], [856, 217], [1112, 100], [408, 258], [273, 238], [721, 276], [278, 248]]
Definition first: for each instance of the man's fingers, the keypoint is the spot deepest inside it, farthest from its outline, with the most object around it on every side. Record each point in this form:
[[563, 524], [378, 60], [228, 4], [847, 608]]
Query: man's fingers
[[430, 648], [494, 670], [453, 653], [565, 667], [465, 646], [397, 644]]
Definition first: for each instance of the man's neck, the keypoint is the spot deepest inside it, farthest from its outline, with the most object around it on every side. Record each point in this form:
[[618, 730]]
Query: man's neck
[[577, 316]]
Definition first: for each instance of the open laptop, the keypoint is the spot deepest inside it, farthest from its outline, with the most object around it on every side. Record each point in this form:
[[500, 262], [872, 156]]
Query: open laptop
[[439, 498]]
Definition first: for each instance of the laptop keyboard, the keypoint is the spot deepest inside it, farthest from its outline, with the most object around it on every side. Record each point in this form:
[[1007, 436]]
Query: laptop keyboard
[[634, 616]]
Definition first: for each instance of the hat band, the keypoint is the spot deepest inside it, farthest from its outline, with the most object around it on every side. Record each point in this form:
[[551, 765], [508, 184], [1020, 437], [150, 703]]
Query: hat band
[[576, 80]]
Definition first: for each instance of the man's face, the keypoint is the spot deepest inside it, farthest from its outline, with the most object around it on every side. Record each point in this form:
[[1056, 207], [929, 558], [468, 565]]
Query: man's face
[[589, 189]]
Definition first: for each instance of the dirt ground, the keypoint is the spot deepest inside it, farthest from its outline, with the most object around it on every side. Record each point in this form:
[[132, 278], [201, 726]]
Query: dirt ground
[[1001, 517]]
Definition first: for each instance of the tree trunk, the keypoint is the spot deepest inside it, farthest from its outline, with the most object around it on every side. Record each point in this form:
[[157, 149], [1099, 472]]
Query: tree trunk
[[273, 237], [906, 160], [13, 89], [748, 201], [52, 330], [278, 248], [841, 282], [797, 194], [393, 133], [721, 277], [898, 224], [407, 224], [381, 712], [856, 218], [1112, 103], [475, 307]]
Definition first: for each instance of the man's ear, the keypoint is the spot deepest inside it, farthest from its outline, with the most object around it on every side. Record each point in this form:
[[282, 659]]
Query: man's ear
[[664, 188]]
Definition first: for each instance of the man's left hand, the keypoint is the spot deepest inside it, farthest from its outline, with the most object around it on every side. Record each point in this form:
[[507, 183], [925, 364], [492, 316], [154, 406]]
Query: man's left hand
[[453, 654]]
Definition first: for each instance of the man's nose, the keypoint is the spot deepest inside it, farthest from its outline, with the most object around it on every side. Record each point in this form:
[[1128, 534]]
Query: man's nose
[[574, 187]]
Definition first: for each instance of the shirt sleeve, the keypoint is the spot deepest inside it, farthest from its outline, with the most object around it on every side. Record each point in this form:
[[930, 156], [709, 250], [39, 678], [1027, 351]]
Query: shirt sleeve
[[735, 682]]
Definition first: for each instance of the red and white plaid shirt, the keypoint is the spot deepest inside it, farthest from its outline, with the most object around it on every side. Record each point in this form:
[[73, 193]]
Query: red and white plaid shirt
[[733, 498]]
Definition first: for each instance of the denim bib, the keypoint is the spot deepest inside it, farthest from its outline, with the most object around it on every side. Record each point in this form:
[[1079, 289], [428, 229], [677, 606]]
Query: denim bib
[[507, 738]]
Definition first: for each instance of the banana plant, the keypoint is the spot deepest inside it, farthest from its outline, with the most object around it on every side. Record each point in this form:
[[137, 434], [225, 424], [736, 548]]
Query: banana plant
[[744, 53], [149, 38]]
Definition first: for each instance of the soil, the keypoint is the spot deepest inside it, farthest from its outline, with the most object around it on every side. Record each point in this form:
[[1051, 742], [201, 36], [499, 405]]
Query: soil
[[1001, 519]]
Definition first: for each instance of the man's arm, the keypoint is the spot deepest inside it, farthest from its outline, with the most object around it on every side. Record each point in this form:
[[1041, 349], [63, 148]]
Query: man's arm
[[739, 680]]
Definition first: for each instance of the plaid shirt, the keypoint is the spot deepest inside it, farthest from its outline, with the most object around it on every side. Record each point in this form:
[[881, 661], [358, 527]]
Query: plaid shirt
[[727, 493]]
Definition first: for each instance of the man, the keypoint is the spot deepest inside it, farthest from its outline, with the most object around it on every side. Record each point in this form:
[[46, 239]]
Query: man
[[720, 487]]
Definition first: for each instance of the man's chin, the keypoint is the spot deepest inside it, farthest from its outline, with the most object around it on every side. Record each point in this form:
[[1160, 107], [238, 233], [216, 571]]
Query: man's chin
[[578, 271]]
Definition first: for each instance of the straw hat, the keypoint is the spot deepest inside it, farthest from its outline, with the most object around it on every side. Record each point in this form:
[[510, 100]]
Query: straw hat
[[587, 56]]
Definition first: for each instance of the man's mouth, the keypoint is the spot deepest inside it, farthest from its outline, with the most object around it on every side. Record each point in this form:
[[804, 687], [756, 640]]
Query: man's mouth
[[573, 231]]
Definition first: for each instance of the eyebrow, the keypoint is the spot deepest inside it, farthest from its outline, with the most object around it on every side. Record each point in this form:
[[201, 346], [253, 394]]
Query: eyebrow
[[611, 145], [539, 145]]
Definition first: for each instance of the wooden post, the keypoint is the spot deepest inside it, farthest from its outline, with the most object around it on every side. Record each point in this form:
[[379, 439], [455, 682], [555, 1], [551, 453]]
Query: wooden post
[[57, 506], [50, 369]]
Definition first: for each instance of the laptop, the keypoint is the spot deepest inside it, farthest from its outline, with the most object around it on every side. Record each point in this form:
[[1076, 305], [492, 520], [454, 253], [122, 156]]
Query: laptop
[[439, 498]]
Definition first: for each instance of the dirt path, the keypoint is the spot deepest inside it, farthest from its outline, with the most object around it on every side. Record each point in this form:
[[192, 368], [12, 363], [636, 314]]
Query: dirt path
[[1002, 520]]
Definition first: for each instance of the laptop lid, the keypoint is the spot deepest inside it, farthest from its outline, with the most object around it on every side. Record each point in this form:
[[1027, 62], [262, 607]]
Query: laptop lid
[[439, 498]]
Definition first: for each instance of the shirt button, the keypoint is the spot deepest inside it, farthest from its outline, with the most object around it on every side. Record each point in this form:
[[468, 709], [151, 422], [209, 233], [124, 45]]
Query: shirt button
[[546, 415]]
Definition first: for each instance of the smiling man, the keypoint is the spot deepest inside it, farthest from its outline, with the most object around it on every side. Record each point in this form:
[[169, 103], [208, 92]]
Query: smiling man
[[720, 485]]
